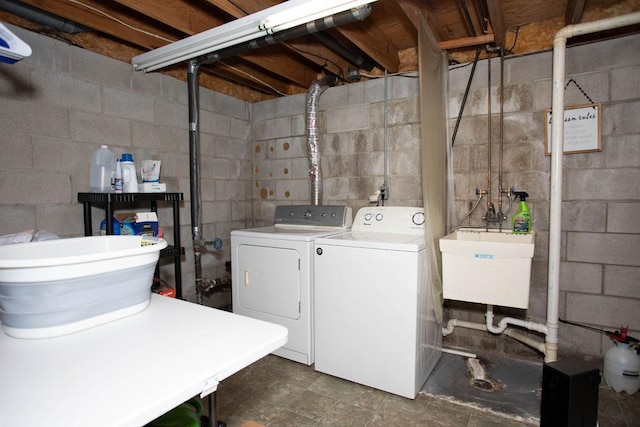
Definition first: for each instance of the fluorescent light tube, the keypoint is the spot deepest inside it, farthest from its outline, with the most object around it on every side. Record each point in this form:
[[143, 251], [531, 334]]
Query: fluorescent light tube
[[280, 17], [302, 14]]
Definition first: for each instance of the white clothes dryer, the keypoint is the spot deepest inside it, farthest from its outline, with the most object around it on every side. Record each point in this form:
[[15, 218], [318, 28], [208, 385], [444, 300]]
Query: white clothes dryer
[[374, 315], [272, 271]]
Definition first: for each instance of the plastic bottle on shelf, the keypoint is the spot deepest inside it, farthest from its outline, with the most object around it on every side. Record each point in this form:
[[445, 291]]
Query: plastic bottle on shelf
[[103, 164], [118, 177], [129, 176]]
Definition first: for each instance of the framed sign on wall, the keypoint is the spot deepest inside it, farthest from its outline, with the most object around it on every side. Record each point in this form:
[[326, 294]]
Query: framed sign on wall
[[581, 129]]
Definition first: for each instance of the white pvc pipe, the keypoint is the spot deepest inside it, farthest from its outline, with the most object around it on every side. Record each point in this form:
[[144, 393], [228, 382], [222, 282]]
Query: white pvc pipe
[[557, 144]]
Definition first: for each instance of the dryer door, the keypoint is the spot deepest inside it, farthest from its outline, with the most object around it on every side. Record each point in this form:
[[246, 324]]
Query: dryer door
[[269, 280]]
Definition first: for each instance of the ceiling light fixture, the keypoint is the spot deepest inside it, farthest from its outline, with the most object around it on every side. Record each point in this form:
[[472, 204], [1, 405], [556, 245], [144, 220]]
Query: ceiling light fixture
[[281, 17]]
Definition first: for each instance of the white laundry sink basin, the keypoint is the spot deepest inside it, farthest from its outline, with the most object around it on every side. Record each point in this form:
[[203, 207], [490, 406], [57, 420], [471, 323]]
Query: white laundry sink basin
[[487, 266]]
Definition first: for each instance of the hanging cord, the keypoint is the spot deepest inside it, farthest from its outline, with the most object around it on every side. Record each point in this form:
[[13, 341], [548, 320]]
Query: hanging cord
[[579, 88]]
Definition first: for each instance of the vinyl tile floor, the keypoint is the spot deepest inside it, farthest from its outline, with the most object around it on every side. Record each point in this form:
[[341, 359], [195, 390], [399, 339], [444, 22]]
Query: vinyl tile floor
[[277, 392]]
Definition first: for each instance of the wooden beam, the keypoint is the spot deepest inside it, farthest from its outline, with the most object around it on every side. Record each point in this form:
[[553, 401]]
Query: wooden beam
[[466, 42], [94, 14], [496, 17], [574, 11], [369, 39], [414, 9]]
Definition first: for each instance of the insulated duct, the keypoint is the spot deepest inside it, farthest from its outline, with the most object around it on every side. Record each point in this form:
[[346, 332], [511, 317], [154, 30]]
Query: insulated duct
[[311, 120], [41, 17]]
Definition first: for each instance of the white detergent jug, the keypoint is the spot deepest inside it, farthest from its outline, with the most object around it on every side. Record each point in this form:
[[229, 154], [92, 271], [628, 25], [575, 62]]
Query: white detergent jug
[[129, 176], [103, 164]]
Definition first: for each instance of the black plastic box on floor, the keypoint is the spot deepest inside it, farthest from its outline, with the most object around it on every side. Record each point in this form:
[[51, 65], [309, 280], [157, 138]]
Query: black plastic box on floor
[[569, 394]]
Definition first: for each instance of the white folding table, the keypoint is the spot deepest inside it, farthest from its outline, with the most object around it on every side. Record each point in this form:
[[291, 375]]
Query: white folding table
[[130, 371]]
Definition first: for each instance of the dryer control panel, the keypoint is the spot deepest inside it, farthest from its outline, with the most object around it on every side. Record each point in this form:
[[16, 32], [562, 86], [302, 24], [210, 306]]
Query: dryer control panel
[[390, 219], [314, 216]]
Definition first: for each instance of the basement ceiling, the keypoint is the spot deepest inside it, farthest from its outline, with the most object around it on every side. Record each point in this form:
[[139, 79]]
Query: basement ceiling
[[385, 40]]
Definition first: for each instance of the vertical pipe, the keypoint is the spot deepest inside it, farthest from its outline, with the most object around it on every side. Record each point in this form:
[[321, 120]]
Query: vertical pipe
[[193, 69], [501, 137], [489, 133], [557, 143]]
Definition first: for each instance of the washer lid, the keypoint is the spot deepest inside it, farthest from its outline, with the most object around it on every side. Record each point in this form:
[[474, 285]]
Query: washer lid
[[369, 240]]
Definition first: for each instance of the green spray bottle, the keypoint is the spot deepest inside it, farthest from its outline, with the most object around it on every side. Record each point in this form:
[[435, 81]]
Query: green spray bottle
[[521, 222]]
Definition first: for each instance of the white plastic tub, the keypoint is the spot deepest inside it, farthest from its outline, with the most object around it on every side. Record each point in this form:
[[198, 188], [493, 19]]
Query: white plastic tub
[[58, 287]]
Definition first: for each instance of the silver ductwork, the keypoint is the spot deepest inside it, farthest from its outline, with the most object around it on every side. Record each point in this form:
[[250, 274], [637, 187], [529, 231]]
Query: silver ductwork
[[311, 121]]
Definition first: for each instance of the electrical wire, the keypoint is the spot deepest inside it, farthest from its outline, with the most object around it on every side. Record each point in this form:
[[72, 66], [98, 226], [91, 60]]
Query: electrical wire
[[326, 60], [119, 21], [251, 76]]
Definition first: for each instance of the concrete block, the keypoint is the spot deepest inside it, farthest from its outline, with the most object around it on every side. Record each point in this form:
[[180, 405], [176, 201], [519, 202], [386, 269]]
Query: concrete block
[[528, 68], [373, 90], [348, 118], [621, 151], [622, 249], [517, 98], [293, 190], [336, 189], [622, 218], [157, 138], [581, 277], [230, 106], [16, 218], [215, 212], [214, 123], [262, 111], [599, 184], [622, 51], [16, 151], [405, 163], [272, 128], [584, 216], [403, 87], [603, 310], [595, 84], [149, 84], [621, 118], [229, 190], [100, 129], [232, 148], [207, 189], [215, 168], [403, 111], [126, 104], [171, 114], [404, 137], [240, 129], [93, 67], [31, 187], [65, 91], [356, 94], [290, 105], [622, 281], [34, 119], [174, 90], [65, 220], [287, 148], [333, 97], [625, 83]]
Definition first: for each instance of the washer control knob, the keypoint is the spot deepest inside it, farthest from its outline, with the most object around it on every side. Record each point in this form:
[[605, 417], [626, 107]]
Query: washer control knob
[[379, 217], [307, 214], [367, 217], [418, 218]]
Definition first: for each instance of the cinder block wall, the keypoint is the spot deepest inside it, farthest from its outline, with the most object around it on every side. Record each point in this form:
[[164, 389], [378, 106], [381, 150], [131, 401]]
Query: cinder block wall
[[61, 103], [600, 268], [352, 145]]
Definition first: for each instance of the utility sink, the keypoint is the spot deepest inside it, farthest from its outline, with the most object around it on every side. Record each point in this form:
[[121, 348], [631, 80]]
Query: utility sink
[[487, 266]]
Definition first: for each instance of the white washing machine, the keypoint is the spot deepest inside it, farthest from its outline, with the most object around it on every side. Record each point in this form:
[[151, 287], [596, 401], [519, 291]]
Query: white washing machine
[[374, 317], [272, 271]]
